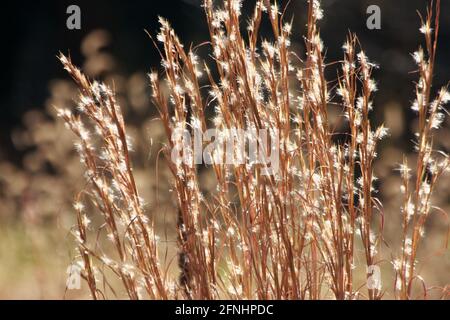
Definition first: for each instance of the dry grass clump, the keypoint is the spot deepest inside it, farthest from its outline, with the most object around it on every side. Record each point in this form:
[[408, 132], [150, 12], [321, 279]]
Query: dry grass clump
[[291, 234], [430, 165], [113, 191]]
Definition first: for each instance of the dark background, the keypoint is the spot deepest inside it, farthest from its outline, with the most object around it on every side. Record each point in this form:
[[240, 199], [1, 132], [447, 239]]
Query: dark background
[[35, 31]]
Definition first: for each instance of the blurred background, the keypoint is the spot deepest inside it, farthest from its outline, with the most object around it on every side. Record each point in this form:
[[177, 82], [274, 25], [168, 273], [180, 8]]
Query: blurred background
[[40, 173]]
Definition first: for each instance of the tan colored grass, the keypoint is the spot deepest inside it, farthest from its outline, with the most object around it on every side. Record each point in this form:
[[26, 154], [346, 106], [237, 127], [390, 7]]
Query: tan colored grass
[[291, 235]]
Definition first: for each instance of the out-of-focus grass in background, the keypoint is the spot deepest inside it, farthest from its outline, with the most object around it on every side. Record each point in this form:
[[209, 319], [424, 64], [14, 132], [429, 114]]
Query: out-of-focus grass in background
[[33, 262], [37, 186]]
